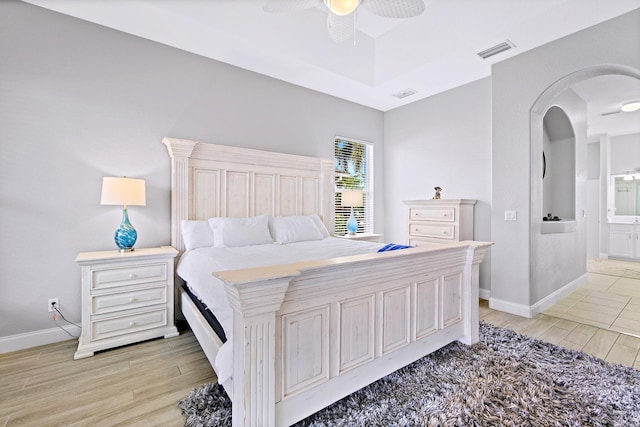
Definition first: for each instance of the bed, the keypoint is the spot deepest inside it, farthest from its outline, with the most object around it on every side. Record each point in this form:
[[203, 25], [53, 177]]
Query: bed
[[307, 333]]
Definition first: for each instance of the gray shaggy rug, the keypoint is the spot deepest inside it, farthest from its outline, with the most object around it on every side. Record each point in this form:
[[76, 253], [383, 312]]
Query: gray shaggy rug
[[506, 379]]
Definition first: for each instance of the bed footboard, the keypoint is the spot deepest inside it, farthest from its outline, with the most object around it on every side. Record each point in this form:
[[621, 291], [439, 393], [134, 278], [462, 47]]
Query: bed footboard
[[307, 334]]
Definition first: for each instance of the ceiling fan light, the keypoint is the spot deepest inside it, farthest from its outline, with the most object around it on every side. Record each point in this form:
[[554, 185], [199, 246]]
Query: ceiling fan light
[[342, 7], [628, 107]]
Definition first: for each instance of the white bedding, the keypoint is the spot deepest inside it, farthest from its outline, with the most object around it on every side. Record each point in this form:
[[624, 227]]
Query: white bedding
[[196, 267]]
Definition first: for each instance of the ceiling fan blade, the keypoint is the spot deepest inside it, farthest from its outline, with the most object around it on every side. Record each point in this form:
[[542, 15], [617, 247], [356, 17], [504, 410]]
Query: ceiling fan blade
[[341, 28], [285, 6], [610, 113], [394, 8]]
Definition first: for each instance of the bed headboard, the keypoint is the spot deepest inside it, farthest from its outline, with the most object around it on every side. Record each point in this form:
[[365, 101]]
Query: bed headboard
[[210, 180]]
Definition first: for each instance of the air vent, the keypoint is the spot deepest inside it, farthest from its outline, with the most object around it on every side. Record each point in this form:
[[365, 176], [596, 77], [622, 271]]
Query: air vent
[[405, 93], [505, 45]]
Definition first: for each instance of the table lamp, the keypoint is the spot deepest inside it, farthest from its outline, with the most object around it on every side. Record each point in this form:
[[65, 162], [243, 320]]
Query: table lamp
[[352, 198], [126, 192]]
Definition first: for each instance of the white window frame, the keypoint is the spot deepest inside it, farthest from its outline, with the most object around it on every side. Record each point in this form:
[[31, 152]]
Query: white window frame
[[366, 218]]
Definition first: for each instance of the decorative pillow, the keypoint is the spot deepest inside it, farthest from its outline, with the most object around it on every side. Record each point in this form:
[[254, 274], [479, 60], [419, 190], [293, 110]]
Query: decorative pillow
[[232, 232], [320, 225], [289, 229], [196, 234]]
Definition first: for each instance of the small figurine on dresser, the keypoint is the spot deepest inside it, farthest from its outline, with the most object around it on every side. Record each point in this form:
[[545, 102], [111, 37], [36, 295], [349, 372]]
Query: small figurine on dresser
[[437, 195]]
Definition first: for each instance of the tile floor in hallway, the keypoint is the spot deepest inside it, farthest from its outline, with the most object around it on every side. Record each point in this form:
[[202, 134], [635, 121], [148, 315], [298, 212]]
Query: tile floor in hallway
[[608, 345], [610, 299], [602, 317]]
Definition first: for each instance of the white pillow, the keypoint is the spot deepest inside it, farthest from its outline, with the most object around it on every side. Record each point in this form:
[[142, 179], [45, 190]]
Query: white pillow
[[232, 232], [289, 229], [320, 225], [196, 234]]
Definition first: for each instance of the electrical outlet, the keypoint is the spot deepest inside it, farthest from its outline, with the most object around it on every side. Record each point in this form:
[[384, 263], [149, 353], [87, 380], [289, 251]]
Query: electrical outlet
[[53, 303]]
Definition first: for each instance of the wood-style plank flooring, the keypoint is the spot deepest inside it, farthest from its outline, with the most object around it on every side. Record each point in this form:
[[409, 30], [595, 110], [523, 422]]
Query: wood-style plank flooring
[[141, 384], [138, 384]]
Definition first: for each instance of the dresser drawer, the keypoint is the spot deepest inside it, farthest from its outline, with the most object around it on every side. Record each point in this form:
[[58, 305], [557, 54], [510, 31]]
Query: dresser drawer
[[122, 325], [128, 275], [126, 300], [446, 214], [439, 231]]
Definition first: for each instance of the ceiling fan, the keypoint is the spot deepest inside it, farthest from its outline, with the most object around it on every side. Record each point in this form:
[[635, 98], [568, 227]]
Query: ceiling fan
[[341, 19], [627, 107]]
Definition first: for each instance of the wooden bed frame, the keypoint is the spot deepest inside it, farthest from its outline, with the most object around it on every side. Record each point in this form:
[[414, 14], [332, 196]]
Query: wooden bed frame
[[307, 334]]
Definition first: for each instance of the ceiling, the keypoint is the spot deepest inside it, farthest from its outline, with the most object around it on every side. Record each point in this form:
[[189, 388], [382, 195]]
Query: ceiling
[[429, 54]]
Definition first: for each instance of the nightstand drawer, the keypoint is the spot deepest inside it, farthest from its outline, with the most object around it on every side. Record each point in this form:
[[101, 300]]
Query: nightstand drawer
[[439, 231], [126, 300], [110, 327], [128, 275], [433, 214]]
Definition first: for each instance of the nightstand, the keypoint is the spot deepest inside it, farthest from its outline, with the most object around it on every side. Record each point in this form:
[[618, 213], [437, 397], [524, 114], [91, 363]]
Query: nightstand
[[126, 297], [367, 237]]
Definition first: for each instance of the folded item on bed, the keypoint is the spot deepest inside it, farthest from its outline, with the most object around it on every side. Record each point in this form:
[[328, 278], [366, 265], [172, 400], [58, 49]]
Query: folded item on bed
[[393, 247]]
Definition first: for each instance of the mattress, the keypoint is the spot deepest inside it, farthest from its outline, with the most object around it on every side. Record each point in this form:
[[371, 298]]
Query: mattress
[[196, 268]]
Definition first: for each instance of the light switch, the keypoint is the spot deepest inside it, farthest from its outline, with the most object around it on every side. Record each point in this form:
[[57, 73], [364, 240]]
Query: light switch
[[510, 215]]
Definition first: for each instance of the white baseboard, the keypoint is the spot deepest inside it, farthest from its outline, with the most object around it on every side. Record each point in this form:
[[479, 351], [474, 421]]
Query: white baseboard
[[37, 338], [485, 294], [556, 296], [510, 307], [540, 306]]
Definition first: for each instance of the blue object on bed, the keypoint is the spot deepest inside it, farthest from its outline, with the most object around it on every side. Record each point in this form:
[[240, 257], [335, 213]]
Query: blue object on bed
[[392, 247]]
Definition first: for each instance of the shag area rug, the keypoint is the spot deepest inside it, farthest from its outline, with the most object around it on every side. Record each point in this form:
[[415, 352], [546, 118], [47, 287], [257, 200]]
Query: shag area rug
[[506, 379]]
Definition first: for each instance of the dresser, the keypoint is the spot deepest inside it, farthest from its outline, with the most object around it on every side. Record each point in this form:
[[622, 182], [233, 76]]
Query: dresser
[[439, 221], [126, 297]]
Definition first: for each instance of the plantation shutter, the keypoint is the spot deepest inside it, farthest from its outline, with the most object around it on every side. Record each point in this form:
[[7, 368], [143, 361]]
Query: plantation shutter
[[353, 171]]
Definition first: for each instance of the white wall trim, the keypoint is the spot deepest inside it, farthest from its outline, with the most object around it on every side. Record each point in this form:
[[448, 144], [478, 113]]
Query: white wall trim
[[540, 306], [485, 294], [37, 338], [556, 296], [510, 307]]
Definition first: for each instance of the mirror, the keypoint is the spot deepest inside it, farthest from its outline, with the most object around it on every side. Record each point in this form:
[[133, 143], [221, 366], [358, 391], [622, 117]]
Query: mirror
[[626, 196]]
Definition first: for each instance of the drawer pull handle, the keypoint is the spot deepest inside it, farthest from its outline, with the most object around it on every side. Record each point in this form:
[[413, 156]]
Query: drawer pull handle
[[132, 276]]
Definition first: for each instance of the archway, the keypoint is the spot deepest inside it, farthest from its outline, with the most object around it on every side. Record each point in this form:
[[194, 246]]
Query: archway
[[549, 281]]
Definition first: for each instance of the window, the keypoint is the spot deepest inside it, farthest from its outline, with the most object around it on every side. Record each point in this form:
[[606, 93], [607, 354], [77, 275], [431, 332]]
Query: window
[[353, 171]]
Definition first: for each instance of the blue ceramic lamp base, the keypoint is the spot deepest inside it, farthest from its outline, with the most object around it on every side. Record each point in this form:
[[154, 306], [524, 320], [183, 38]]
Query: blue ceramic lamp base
[[125, 236], [352, 224]]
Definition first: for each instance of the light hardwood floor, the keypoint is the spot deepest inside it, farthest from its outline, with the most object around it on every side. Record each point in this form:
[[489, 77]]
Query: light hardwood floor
[[141, 384], [138, 384]]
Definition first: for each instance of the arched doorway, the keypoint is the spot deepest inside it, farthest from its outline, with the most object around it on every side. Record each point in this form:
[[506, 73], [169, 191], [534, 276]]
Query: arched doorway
[[552, 254]]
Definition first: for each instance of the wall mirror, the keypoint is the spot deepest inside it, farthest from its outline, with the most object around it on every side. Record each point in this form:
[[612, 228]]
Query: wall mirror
[[626, 195]]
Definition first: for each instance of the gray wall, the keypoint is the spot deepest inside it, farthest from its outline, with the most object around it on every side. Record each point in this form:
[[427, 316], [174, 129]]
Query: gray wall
[[79, 102], [625, 153], [445, 141], [516, 85], [558, 259]]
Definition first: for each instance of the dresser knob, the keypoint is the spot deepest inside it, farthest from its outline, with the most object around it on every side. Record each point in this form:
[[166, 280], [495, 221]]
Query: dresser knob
[[131, 324], [132, 276], [132, 299]]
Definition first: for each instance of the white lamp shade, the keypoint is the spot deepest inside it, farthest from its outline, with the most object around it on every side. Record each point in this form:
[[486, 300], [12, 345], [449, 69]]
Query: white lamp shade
[[352, 198], [123, 191]]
